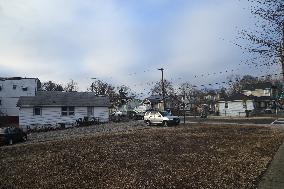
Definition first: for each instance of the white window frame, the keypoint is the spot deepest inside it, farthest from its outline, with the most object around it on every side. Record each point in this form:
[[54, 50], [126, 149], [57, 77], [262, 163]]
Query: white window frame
[[226, 105], [67, 111]]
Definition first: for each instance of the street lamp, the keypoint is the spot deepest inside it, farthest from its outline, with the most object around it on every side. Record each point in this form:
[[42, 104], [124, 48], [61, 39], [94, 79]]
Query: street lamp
[[163, 88]]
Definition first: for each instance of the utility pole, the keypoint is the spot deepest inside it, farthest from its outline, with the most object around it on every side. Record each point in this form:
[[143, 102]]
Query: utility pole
[[163, 88], [184, 106]]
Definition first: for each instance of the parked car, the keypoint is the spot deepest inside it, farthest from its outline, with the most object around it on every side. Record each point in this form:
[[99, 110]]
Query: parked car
[[164, 118], [9, 135], [139, 115], [268, 111], [119, 113]]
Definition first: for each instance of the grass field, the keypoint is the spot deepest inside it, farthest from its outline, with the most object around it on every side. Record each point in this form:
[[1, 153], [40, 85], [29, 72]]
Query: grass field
[[178, 157]]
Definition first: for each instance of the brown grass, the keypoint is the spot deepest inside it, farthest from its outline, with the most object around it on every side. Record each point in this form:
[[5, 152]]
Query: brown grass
[[185, 157]]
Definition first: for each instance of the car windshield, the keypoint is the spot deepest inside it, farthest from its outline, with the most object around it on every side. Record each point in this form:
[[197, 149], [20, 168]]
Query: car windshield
[[165, 113]]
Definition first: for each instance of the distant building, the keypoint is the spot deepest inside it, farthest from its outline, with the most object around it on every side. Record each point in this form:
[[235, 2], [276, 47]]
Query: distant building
[[210, 99], [260, 89], [235, 105], [52, 108], [10, 91], [154, 102], [264, 95], [130, 105]]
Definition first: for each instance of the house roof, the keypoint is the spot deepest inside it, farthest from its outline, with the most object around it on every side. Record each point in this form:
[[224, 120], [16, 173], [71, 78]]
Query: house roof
[[265, 85], [264, 98], [236, 97], [156, 98], [211, 93], [15, 78], [56, 98]]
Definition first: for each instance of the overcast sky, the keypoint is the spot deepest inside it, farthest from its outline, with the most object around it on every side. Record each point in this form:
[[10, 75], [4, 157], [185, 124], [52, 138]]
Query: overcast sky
[[122, 41]]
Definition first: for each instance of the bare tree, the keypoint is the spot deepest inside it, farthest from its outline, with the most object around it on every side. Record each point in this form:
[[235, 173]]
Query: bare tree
[[187, 90], [102, 88], [71, 86], [157, 89], [51, 86], [125, 93], [267, 40], [237, 83]]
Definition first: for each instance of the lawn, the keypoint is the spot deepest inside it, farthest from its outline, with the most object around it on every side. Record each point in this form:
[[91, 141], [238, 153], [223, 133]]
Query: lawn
[[175, 157]]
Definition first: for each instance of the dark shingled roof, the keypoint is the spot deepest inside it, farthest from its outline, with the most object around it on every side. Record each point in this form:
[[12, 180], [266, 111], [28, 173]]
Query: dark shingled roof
[[265, 85], [15, 78], [156, 98], [237, 97], [56, 98]]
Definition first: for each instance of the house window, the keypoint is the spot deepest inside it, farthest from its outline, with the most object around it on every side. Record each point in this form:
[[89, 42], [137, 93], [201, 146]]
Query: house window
[[14, 87], [37, 111], [226, 105], [244, 104], [267, 92], [0, 102], [68, 111], [25, 88], [0, 88]]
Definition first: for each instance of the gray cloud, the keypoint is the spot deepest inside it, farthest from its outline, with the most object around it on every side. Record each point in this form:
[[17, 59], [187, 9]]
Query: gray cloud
[[60, 40]]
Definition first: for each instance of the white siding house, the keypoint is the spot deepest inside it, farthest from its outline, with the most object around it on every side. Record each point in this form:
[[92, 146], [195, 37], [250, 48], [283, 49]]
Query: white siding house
[[53, 108], [235, 105], [10, 91]]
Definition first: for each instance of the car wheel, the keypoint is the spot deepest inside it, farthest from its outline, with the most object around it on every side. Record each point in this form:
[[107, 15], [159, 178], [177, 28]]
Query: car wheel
[[165, 123], [10, 141], [148, 123]]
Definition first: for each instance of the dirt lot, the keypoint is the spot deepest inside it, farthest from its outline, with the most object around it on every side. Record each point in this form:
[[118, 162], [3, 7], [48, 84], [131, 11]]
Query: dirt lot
[[176, 157]]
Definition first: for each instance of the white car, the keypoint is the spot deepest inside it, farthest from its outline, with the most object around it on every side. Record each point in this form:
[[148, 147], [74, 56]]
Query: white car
[[119, 113], [164, 118]]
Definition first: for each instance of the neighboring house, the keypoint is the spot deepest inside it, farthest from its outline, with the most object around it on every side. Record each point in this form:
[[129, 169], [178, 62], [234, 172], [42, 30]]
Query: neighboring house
[[155, 102], [130, 105], [10, 91], [235, 105], [210, 99], [142, 108], [260, 90], [52, 108], [264, 95]]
